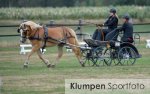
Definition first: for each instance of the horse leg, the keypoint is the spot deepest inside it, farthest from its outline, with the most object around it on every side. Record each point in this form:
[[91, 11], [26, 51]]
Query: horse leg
[[34, 49], [44, 60], [27, 60], [60, 53], [77, 52]]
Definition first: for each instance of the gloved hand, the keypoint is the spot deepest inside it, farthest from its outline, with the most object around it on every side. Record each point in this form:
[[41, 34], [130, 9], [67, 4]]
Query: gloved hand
[[100, 25]]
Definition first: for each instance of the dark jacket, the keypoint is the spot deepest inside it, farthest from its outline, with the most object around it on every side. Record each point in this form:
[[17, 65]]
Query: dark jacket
[[111, 22], [127, 29]]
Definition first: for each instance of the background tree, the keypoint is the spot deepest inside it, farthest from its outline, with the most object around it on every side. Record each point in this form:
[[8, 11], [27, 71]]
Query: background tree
[[70, 3]]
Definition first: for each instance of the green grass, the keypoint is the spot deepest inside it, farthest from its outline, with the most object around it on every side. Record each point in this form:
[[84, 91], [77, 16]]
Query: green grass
[[38, 79]]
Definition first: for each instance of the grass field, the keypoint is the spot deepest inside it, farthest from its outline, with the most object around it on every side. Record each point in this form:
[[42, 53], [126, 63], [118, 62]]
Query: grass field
[[38, 79]]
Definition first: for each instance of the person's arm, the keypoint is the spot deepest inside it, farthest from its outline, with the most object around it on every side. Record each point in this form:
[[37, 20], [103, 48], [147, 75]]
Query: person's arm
[[106, 22], [110, 23], [121, 28]]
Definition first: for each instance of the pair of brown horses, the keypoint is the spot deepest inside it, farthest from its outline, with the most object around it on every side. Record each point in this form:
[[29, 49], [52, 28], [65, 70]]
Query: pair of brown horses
[[57, 36]]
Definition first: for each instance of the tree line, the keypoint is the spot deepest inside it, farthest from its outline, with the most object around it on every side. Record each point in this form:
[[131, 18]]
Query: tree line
[[70, 3]]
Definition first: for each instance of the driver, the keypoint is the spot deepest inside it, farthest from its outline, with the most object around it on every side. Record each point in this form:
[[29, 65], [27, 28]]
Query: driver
[[111, 22]]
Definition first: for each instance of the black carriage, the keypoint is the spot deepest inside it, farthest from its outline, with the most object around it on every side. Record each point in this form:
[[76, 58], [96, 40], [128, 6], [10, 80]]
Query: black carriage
[[97, 53]]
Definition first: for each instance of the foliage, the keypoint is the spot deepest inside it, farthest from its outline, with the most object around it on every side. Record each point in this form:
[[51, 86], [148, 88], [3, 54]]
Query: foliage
[[69, 3], [72, 12]]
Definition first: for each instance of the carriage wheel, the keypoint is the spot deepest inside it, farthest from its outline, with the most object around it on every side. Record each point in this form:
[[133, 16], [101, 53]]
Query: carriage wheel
[[114, 55], [87, 58], [115, 62], [107, 57], [97, 56], [126, 56], [110, 57]]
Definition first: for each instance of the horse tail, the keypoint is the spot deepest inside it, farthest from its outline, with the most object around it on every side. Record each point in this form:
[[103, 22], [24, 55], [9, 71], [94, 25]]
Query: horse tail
[[76, 50], [71, 33]]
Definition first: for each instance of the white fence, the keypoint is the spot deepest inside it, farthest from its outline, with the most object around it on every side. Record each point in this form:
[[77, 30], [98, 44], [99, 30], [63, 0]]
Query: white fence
[[148, 43], [24, 48]]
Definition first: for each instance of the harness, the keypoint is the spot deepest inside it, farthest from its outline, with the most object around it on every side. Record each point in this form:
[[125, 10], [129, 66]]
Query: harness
[[51, 39], [34, 37], [45, 37]]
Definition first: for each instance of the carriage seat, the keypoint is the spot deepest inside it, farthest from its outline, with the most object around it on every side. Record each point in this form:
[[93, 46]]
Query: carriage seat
[[95, 43]]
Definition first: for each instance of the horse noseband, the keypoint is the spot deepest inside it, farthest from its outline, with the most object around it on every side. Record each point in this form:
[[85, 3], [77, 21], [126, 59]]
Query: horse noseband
[[18, 30]]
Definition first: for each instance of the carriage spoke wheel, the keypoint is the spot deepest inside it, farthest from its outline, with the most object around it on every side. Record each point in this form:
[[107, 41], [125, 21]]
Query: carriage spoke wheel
[[107, 56], [126, 56], [87, 58], [115, 62], [110, 57], [114, 54], [97, 56]]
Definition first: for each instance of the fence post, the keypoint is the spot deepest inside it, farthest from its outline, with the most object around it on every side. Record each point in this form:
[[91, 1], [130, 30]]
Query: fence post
[[80, 28], [51, 23], [80, 25]]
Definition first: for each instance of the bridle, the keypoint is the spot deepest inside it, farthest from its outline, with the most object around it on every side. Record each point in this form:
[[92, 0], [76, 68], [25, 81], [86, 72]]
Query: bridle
[[23, 34]]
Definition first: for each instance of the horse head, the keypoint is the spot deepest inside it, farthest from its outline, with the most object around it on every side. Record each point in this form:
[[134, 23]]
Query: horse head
[[26, 30]]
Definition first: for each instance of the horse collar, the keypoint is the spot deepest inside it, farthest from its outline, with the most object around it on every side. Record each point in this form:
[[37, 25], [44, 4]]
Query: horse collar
[[45, 32], [45, 37]]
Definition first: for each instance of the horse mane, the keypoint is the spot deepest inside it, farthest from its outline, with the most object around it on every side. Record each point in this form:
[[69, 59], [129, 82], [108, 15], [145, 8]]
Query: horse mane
[[32, 24]]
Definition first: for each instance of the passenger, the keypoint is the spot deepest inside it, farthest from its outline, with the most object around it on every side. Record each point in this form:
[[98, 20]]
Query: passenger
[[127, 29], [111, 23]]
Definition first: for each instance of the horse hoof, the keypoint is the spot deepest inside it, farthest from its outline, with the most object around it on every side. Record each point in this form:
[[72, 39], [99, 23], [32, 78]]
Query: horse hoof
[[49, 65], [53, 66], [25, 66], [82, 65]]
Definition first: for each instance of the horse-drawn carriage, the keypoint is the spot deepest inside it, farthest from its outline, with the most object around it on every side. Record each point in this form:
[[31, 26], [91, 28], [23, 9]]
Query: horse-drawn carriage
[[113, 52], [93, 53]]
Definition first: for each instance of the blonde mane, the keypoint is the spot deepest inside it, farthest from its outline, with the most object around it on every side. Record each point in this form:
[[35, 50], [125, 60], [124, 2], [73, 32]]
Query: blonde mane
[[31, 24]]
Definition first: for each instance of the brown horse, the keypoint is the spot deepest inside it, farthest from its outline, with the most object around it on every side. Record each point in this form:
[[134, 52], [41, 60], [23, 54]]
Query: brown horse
[[41, 36]]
